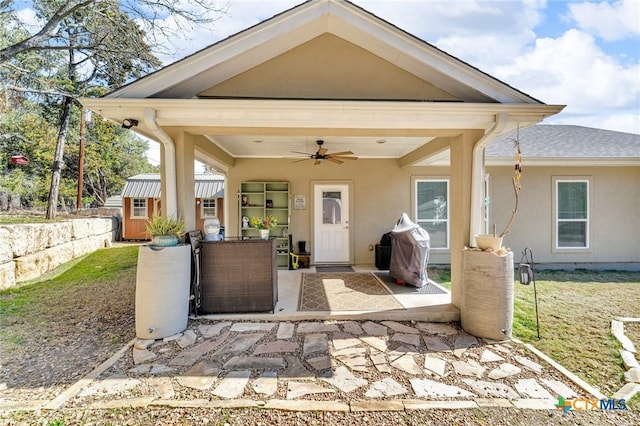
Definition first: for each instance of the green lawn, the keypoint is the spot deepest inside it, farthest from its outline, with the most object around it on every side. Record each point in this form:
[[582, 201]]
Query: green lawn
[[19, 219], [575, 311]]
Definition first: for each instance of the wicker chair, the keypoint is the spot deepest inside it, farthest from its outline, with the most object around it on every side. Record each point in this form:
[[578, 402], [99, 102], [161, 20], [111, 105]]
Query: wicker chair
[[238, 276]]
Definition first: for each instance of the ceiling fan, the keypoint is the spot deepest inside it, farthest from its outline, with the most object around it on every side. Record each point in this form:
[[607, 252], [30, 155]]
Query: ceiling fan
[[321, 154]]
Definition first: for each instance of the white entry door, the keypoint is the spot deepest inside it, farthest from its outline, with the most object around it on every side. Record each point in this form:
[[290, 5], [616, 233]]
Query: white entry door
[[331, 223]]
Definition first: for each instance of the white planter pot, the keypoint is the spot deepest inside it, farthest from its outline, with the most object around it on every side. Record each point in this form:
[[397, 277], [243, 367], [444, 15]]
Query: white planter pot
[[264, 234], [484, 242], [162, 291]]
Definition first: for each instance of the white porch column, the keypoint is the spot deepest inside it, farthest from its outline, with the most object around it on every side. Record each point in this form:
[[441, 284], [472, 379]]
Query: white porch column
[[477, 177], [461, 166], [185, 181]]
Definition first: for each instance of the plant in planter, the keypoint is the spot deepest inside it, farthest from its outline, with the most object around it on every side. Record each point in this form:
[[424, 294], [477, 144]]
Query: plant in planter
[[264, 224], [165, 232], [494, 241]]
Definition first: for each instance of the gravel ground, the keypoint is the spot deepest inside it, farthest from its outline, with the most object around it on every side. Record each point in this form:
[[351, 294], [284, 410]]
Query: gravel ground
[[73, 333]]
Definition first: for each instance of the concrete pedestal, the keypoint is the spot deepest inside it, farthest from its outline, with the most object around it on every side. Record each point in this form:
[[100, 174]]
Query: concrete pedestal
[[487, 294], [162, 291]]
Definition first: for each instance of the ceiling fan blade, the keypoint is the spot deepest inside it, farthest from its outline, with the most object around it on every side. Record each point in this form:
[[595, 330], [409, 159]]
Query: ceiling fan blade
[[322, 151], [334, 154], [302, 153], [343, 157], [334, 160], [301, 159]]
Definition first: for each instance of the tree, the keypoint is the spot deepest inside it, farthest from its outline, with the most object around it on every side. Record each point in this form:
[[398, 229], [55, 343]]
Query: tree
[[104, 46], [112, 154]]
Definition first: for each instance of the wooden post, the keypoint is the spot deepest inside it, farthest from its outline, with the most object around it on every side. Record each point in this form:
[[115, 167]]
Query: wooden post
[[81, 160]]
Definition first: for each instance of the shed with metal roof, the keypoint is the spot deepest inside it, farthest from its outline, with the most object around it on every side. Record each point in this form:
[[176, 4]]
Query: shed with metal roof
[[142, 194]]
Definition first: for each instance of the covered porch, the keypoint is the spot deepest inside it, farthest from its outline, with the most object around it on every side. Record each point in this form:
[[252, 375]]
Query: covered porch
[[329, 70], [414, 306]]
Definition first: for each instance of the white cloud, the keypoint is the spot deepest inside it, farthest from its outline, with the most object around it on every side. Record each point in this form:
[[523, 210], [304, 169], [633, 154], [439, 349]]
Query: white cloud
[[610, 21], [30, 21], [573, 70], [627, 123]]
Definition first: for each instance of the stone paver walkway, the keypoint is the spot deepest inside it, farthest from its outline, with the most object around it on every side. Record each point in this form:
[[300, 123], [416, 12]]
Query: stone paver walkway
[[319, 365]]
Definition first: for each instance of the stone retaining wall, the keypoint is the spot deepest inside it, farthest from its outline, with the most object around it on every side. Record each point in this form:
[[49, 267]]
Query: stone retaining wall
[[29, 250]]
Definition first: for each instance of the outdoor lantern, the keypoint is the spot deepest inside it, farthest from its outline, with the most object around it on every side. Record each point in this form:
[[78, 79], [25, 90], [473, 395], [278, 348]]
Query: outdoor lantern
[[526, 276], [212, 230], [525, 273]]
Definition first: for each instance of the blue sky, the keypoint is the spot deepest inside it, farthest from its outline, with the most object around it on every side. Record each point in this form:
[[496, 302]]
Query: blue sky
[[583, 54]]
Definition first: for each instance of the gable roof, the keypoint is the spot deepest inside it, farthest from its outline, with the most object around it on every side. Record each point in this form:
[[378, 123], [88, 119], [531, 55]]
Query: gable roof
[[305, 22], [149, 186], [554, 144]]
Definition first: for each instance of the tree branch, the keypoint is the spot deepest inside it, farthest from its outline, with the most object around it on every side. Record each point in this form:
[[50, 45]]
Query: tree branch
[[48, 31], [515, 209]]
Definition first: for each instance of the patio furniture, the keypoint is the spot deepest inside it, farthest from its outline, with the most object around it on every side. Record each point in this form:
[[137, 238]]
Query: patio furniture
[[238, 276]]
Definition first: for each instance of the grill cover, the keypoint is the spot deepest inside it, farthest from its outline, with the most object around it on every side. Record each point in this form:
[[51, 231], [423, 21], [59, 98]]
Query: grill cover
[[410, 245]]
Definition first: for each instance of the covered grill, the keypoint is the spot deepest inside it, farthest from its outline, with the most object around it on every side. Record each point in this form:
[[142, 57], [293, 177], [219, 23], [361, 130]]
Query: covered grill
[[410, 245]]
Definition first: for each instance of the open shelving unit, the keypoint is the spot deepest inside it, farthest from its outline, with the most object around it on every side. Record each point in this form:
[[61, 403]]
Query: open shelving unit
[[267, 199]]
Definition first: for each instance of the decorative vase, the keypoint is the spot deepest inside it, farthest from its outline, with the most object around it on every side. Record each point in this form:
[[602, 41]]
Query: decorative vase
[[264, 234], [164, 241]]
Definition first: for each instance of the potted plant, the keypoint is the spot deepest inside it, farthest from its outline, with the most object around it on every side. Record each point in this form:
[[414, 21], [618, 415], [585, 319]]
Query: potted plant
[[264, 225], [493, 241], [165, 232]]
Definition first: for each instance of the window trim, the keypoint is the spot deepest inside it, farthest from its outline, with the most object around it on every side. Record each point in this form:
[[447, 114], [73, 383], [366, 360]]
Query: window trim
[[202, 215], [133, 208], [557, 221], [414, 199]]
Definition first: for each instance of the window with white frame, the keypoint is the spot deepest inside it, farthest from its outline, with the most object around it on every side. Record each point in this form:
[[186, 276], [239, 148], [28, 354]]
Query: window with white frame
[[572, 213], [432, 210], [208, 207], [139, 207]]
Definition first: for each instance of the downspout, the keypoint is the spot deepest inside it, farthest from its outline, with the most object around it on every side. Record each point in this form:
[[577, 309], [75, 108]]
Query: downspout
[[477, 176], [169, 164]]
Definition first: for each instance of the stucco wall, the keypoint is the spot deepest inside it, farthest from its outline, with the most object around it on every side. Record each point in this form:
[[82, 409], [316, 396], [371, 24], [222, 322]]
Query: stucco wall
[[614, 214], [27, 251], [380, 192], [328, 67]]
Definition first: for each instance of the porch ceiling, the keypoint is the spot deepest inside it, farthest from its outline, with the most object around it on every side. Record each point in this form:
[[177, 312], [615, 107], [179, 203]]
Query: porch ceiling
[[274, 128]]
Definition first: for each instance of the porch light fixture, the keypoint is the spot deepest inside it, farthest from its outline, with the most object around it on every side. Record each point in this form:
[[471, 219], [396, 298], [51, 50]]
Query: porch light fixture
[[128, 123]]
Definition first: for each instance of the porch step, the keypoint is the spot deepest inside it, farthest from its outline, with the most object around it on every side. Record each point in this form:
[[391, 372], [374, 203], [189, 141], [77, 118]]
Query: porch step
[[436, 313]]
